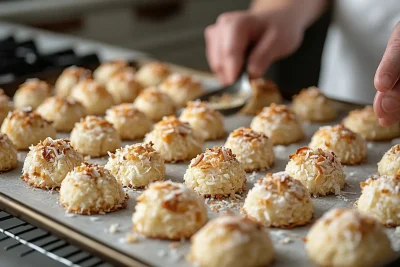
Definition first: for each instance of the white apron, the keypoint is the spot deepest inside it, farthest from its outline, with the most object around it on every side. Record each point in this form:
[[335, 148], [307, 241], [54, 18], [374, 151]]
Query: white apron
[[354, 47]]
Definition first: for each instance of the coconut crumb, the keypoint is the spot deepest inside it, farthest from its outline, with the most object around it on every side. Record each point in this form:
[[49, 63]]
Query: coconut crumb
[[286, 240], [94, 219], [113, 228], [70, 215], [175, 245], [131, 238]]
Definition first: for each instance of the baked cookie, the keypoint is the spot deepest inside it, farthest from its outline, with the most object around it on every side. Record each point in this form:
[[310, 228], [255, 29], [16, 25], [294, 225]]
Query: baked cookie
[[390, 162], [175, 140], [343, 237], [94, 136], [349, 147], [8, 154], [31, 93], [69, 78], [128, 121], [169, 210], [136, 165], [62, 112], [216, 173], [279, 123], [106, 70], [152, 74], [252, 149], [5, 105], [47, 163], [318, 170], [278, 200], [204, 120], [91, 189], [123, 86], [232, 241]]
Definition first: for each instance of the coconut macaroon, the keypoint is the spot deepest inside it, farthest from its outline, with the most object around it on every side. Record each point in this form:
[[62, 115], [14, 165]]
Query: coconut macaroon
[[8, 154], [205, 121], [69, 78], [265, 92], [311, 105], [390, 162], [94, 136], [128, 121], [123, 86], [31, 93], [5, 105], [26, 127], [365, 122], [62, 112], [152, 74], [169, 210], [47, 163], [279, 123], [318, 170], [380, 199], [106, 70], [181, 88], [91, 189], [252, 149], [175, 140], [216, 173], [93, 96], [154, 104], [231, 241], [343, 237], [278, 200], [349, 147], [136, 165]]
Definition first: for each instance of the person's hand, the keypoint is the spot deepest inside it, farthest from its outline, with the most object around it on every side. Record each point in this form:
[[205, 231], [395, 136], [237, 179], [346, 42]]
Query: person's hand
[[387, 82], [273, 34]]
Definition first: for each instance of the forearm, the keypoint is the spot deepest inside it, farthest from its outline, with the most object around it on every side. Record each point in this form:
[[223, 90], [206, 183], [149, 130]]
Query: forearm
[[304, 11]]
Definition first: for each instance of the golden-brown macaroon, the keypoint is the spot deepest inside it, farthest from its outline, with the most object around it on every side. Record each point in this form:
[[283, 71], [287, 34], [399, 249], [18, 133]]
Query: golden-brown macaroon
[[232, 241], [380, 198], [252, 149], [390, 162], [136, 165], [94, 136], [93, 96], [169, 210], [128, 121], [62, 112], [312, 105], [345, 238], [154, 104], [31, 93], [317, 169], [279, 123], [91, 189], [26, 127], [278, 200], [48, 162], [106, 70], [123, 86], [5, 105], [175, 140], [216, 173], [365, 122], [181, 88], [8, 154], [204, 120], [70, 77], [152, 74], [349, 147], [265, 92]]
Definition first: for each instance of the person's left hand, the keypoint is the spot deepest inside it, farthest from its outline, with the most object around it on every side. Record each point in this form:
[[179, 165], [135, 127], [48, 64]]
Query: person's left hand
[[387, 82]]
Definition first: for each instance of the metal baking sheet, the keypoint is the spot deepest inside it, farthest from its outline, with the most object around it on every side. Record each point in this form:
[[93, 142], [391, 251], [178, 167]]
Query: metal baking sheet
[[288, 243]]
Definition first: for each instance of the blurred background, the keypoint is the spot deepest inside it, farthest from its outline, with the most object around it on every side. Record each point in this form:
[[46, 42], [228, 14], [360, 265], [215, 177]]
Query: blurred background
[[168, 30]]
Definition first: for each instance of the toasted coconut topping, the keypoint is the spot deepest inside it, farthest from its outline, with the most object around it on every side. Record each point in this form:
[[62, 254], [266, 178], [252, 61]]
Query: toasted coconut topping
[[77, 72], [90, 171], [28, 116], [170, 126], [248, 135], [135, 152], [51, 150], [350, 221], [281, 183], [233, 223], [123, 110], [35, 85], [152, 94], [277, 113], [334, 133], [180, 80], [311, 94], [91, 86], [127, 75], [366, 113], [213, 158], [61, 102], [95, 123], [262, 84], [200, 109], [157, 68], [394, 150], [385, 184], [118, 64]]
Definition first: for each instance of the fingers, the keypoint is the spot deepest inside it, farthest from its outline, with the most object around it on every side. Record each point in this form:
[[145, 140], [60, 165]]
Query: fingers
[[388, 72], [387, 106], [213, 51], [262, 55]]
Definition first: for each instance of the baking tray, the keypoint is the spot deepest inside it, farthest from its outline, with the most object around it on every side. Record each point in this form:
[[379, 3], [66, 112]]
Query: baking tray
[[93, 232]]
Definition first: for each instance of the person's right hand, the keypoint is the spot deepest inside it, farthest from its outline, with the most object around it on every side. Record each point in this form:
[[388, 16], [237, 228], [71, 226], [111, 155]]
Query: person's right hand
[[274, 34]]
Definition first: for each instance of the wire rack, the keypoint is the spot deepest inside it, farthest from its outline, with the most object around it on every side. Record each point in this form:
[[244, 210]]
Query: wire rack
[[25, 243]]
